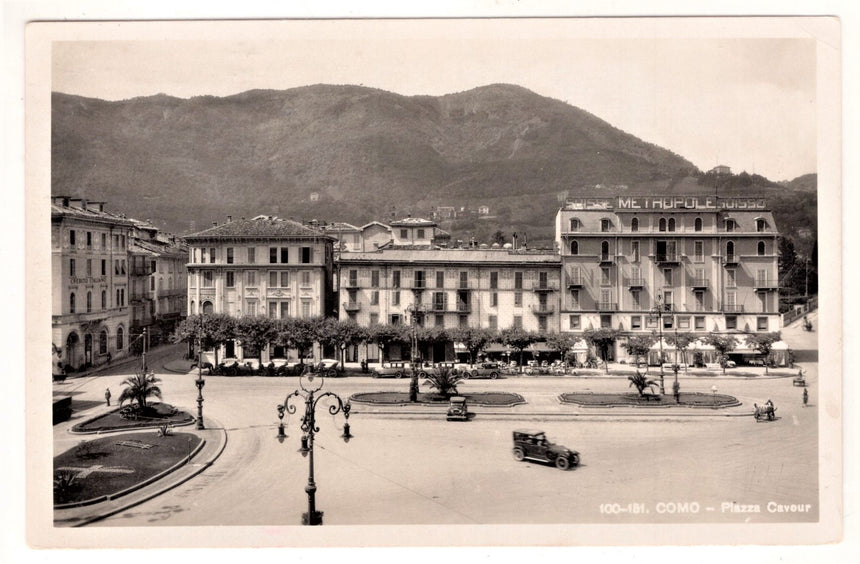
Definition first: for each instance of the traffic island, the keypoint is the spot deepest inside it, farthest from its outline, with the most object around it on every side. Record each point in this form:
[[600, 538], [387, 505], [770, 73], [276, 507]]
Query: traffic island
[[484, 399], [110, 467], [121, 419], [685, 399]]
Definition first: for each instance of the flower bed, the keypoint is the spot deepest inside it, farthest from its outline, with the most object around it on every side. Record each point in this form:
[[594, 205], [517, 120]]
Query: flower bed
[[686, 399], [487, 399], [158, 414]]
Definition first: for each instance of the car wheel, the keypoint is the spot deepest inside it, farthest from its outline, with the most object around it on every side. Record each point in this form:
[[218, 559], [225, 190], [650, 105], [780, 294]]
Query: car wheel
[[562, 463], [519, 454], [494, 375], [574, 460], [398, 374]]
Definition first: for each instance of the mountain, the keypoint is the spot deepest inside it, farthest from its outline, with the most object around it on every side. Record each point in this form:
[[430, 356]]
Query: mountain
[[363, 153]]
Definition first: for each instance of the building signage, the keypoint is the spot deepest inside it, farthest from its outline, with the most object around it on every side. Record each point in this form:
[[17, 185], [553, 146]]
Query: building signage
[[666, 203], [88, 280]]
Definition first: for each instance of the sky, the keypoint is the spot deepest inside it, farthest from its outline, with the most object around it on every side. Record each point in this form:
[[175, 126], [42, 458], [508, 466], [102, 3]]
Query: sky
[[736, 95]]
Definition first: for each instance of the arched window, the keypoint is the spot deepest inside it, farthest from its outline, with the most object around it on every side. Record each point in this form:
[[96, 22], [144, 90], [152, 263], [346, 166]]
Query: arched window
[[574, 224], [605, 225], [698, 224], [761, 248], [760, 225], [662, 224], [604, 250], [104, 299], [119, 339], [72, 302], [574, 247], [730, 250], [207, 308], [160, 283], [634, 224], [193, 307], [103, 342], [89, 302], [671, 224]]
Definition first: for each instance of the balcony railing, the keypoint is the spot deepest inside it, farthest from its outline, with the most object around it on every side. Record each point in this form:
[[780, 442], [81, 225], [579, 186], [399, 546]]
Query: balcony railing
[[730, 259], [667, 258], [351, 284], [351, 307], [606, 259], [636, 282], [575, 282], [419, 285], [699, 283], [765, 284], [733, 309], [464, 308], [545, 287], [543, 309], [607, 306], [140, 270]]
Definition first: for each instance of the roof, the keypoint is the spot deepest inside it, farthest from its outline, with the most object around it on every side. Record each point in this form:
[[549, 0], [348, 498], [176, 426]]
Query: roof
[[340, 226], [417, 255], [259, 227], [413, 222], [89, 213]]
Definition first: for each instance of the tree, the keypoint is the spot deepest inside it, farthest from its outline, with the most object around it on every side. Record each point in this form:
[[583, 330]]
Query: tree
[[639, 346], [341, 334], [299, 334], [255, 332], [386, 334], [641, 382], [473, 338], [562, 343], [210, 330], [518, 339], [722, 344], [602, 339], [444, 380], [681, 341], [139, 388], [499, 237], [763, 343]]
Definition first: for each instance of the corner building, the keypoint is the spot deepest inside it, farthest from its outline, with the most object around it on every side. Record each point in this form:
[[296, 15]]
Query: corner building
[[708, 263]]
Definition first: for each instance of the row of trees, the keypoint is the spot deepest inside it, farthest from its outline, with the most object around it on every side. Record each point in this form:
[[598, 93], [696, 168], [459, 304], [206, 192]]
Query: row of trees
[[256, 333]]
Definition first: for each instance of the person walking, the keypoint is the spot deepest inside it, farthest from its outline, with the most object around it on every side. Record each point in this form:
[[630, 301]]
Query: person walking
[[676, 391], [805, 397], [107, 396]]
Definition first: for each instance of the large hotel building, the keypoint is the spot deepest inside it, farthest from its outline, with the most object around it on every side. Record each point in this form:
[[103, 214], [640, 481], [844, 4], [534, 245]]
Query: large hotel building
[[635, 264]]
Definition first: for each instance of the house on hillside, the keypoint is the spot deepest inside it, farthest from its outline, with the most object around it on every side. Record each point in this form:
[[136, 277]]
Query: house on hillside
[[721, 169]]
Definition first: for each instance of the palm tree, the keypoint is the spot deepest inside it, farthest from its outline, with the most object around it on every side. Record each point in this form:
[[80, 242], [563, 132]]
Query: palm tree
[[641, 382], [140, 387], [444, 380]]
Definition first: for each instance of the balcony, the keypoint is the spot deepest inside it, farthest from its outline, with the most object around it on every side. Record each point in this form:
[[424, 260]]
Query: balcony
[[351, 307], [545, 287], [636, 282], [464, 308], [419, 285], [351, 285], [140, 271], [607, 306], [732, 309], [764, 284], [437, 308], [606, 259], [575, 282], [667, 258], [543, 309], [730, 260], [699, 283]]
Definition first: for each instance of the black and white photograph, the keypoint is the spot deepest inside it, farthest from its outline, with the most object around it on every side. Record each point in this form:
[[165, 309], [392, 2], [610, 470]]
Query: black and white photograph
[[548, 281]]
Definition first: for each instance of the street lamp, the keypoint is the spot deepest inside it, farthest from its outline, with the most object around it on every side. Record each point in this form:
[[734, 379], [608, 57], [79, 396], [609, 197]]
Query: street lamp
[[200, 382], [309, 428], [415, 311], [658, 311]]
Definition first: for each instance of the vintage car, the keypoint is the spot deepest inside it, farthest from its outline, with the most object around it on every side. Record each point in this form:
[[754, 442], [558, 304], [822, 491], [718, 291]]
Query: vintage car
[[533, 444], [392, 370], [489, 370], [457, 409]]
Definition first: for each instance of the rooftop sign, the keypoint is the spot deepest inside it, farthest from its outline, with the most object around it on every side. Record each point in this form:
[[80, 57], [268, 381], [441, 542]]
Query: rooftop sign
[[665, 203]]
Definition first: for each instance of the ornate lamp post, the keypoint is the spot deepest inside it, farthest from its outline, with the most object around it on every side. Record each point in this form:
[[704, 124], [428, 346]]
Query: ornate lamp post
[[415, 310], [658, 311], [309, 428], [200, 382]]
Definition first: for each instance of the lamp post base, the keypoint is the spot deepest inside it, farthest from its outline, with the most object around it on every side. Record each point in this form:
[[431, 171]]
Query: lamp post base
[[312, 518]]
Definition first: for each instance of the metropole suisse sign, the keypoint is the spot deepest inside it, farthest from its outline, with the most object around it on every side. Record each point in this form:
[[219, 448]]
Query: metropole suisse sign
[[666, 203]]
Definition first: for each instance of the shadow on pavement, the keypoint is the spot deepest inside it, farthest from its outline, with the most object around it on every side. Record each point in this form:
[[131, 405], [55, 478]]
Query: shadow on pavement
[[803, 355]]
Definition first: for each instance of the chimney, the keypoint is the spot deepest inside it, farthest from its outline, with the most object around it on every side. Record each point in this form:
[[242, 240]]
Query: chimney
[[514, 238], [229, 219]]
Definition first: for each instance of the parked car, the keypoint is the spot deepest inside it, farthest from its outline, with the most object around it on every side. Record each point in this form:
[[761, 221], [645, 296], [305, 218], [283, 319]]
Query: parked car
[[489, 370], [457, 409], [533, 444], [392, 370]]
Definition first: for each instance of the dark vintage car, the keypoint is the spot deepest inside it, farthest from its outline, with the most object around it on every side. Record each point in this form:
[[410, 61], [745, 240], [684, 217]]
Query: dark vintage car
[[392, 370], [457, 409], [489, 370], [533, 444]]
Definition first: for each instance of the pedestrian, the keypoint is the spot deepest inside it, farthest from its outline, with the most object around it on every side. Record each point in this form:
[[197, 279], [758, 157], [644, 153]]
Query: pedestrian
[[107, 396], [109, 357], [676, 391], [805, 397]]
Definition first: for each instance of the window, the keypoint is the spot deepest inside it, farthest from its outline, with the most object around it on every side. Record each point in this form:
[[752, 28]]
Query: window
[[698, 224], [760, 248], [731, 225], [668, 300], [671, 224], [761, 323], [122, 267], [251, 307], [542, 324], [762, 302], [731, 277], [207, 279], [518, 280], [103, 338], [494, 280], [440, 278], [731, 322], [668, 321], [251, 278], [464, 279], [493, 321], [574, 322], [122, 297], [730, 251], [395, 318], [667, 276], [684, 322], [634, 248], [463, 321], [120, 338], [72, 240], [518, 299], [420, 234], [285, 255], [636, 322], [439, 320], [574, 299], [698, 251], [273, 255], [419, 279], [574, 224], [229, 255], [604, 276], [104, 241], [574, 247], [650, 322], [273, 279], [152, 283], [306, 278], [662, 224], [494, 299], [760, 225], [116, 267], [374, 279], [230, 279], [700, 300], [395, 279], [518, 322], [252, 255], [89, 302], [353, 279], [395, 297], [89, 267], [636, 298], [605, 321], [634, 225], [699, 322], [605, 225], [604, 251], [71, 267], [439, 299], [374, 297], [307, 255], [211, 255], [104, 299], [104, 267]]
